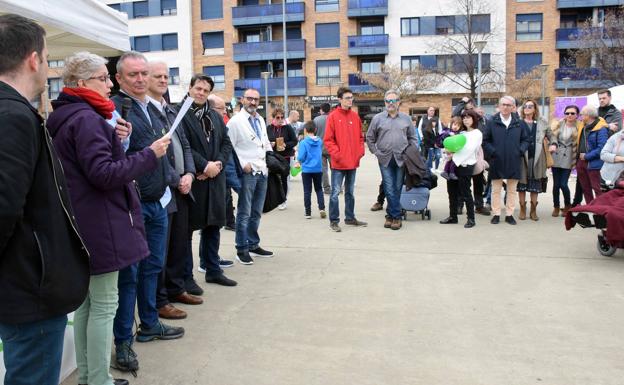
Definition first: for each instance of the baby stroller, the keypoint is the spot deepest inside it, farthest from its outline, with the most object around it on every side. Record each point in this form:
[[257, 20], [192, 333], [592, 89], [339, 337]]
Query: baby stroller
[[417, 198], [607, 208]]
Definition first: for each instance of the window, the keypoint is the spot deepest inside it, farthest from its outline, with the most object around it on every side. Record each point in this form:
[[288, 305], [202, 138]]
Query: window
[[445, 25], [372, 29], [55, 85], [168, 7], [140, 9], [371, 66], [56, 63], [116, 7], [326, 5], [328, 35], [142, 43], [525, 62], [293, 33], [252, 36], [217, 73], [211, 9], [212, 40], [327, 72], [445, 62], [295, 69], [410, 63], [529, 26], [410, 26], [174, 76], [480, 24], [170, 41]]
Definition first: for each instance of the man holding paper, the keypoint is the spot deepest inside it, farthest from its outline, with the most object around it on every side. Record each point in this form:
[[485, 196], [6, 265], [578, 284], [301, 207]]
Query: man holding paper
[[138, 282]]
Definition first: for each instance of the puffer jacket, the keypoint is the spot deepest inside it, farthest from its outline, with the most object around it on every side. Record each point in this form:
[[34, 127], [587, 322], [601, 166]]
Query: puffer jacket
[[594, 142]]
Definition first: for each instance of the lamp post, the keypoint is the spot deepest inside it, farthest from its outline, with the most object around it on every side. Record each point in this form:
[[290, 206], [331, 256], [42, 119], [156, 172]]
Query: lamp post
[[543, 68], [479, 45], [265, 76], [333, 83], [566, 83], [285, 61]]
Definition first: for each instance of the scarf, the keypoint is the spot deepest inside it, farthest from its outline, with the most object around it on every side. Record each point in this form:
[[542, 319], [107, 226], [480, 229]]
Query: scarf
[[100, 104], [201, 112]]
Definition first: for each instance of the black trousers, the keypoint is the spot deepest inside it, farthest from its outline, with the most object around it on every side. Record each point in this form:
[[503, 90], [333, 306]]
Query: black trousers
[[171, 282], [382, 194], [459, 190], [230, 219], [478, 185]]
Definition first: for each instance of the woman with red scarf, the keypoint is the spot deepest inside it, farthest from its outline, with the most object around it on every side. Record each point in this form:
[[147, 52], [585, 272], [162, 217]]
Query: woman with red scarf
[[283, 139], [105, 201]]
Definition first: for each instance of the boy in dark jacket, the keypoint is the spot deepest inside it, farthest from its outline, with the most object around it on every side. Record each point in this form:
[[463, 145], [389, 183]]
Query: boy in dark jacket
[[309, 158]]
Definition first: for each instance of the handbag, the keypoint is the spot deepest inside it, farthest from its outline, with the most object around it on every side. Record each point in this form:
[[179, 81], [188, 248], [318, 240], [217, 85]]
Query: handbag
[[549, 159]]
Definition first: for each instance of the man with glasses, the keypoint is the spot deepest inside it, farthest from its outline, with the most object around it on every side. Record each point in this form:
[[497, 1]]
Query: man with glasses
[[505, 140], [389, 133], [345, 144], [248, 135]]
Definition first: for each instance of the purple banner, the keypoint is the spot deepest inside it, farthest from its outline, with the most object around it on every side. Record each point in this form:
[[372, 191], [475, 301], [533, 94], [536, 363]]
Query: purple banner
[[561, 103]]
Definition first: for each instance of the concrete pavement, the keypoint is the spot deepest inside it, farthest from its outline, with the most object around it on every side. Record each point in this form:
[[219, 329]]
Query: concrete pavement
[[428, 304]]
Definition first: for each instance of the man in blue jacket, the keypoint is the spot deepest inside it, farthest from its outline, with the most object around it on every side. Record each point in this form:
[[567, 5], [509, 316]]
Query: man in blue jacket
[[44, 266]]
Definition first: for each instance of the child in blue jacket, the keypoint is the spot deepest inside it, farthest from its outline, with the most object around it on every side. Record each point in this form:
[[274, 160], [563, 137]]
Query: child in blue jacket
[[309, 158]]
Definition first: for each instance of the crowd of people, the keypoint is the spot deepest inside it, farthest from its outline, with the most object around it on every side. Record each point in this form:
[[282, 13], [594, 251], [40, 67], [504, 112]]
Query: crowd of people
[[105, 192]]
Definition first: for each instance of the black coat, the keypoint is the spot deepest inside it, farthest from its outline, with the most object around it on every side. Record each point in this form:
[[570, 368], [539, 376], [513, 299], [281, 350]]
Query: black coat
[[208, 209], [279, 169], [44, 266], [504, 147], [290, 139]]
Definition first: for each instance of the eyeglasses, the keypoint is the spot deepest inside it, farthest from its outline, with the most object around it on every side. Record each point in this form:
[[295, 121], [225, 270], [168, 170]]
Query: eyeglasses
[[530, 106], [570, 113], [348, 97], [389, 101], [102, 78], [252, 99], [279, 117], [507, 105]]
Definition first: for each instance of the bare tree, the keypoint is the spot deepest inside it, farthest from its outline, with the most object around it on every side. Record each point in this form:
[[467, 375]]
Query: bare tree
[[457, 59], [529, 86], [601, 49], [407, 82]]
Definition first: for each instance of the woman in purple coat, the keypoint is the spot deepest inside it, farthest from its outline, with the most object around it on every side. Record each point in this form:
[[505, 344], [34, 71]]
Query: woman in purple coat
[[105, 201]]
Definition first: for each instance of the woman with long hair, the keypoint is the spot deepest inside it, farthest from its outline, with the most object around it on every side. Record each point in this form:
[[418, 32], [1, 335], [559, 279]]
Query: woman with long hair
[[564, 143]]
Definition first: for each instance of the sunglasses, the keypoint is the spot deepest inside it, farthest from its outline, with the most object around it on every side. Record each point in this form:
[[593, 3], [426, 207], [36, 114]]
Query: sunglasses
[[570, 113], [529, 106], [279, 117], [389, 101]]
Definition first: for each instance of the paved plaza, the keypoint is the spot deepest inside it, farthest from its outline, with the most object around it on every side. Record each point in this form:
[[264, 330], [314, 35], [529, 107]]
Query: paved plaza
[[428, 304]]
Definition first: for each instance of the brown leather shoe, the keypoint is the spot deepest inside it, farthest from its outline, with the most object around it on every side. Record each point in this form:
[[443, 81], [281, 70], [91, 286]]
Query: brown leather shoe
[[377, 206], [171, 312], [396, 224], [522, 215], [188, 299], [388, 223], [555, 212]]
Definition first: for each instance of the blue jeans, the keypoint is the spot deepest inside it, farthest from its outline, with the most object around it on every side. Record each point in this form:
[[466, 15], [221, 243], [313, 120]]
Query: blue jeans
[[392, 180], [33, 351], [337, 177], [139, 282], [560, 182], [433, 155], [249, 211], [209, 251], [309, 178]]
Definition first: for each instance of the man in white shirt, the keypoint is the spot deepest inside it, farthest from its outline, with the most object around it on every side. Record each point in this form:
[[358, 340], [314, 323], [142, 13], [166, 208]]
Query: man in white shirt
[[248, 135]]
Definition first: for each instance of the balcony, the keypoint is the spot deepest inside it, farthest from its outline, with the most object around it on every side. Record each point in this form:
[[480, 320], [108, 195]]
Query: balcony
[[570, 38], [359, 86], [368, 45], [365, 8], [581, 78], [297, 86], [269, 50], [588, 3], [267, 14]]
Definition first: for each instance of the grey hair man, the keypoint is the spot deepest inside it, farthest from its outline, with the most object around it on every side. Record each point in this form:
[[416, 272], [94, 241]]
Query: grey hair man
[[37, 225], [592, 139], [505, 139], [388, 135]]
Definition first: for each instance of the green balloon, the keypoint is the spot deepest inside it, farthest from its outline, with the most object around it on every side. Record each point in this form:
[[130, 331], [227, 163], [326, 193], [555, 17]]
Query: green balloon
[[294, 171], [454, 143]]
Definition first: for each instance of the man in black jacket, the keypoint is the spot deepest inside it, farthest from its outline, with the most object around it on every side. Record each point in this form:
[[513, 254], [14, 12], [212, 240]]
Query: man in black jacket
[[609, 112], [44, 266]]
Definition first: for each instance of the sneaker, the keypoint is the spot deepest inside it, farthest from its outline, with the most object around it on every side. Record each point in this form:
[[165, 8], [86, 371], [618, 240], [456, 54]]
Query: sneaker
[[308, 216], [260, 252], [495, 219], [225, 263], [125, 358], [510, 219], [192, 287], [377, 206], [244, 257], [160, 331], [335, 227], [282, 206], [355, 222], [323, 214], [201, 269], [221, 280]]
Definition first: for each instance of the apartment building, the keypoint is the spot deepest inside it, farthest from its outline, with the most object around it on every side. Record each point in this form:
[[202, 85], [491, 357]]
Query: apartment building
[[161, 29]]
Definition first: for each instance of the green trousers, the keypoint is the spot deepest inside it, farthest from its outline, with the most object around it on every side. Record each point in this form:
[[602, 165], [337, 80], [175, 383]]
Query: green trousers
[[93, 330]]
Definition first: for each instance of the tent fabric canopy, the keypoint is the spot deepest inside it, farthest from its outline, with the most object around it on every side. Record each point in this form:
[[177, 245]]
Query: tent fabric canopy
[[72, 26]]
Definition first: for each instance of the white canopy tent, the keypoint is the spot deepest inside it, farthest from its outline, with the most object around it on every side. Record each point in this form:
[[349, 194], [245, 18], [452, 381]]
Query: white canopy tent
[[75, 25]]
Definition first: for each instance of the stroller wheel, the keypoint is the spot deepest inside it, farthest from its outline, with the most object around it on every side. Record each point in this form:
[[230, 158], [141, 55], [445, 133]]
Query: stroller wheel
[[604, 248], [428, 214]]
